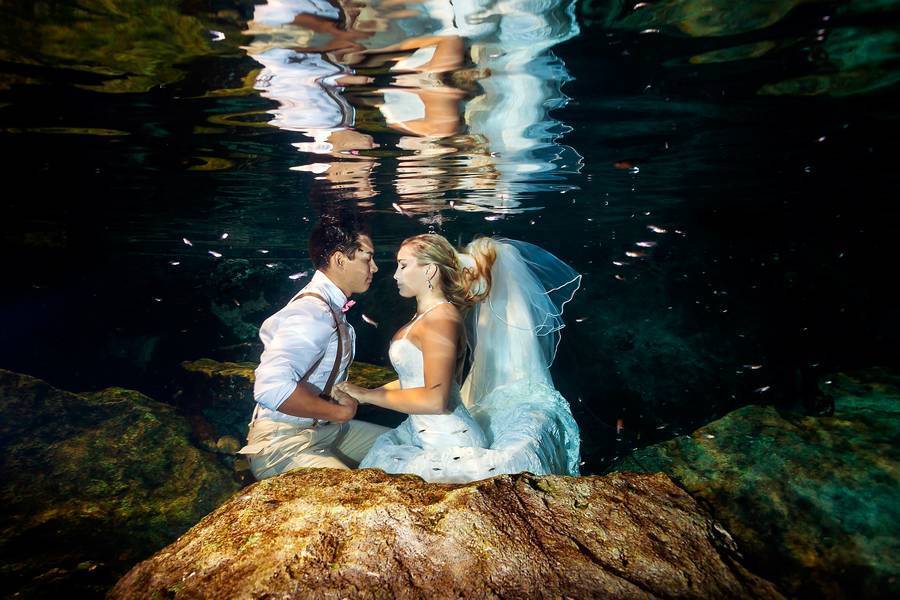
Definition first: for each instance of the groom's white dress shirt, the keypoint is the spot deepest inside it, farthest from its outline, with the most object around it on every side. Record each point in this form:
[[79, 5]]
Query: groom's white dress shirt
[[295, 338]]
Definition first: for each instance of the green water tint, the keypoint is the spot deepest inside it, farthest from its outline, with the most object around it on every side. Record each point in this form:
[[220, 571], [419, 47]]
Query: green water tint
[[852, 50], [125, 46]]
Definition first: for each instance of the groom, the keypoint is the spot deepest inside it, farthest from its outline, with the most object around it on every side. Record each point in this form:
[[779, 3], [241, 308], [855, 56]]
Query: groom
[[295, 423]]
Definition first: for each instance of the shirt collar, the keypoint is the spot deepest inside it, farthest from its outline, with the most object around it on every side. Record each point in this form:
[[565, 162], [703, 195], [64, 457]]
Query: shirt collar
[[332, 293]]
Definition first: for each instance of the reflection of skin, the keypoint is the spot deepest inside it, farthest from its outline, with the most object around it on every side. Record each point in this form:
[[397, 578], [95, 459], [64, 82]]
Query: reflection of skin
[[442, 116], [352, 176], [441, 103], [306, 83], [345, 140], [448, 52], [341, 42], [348, 80]]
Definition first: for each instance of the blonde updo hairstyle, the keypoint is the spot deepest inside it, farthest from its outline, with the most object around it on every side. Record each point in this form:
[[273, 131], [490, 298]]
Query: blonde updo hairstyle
[[464, 286]]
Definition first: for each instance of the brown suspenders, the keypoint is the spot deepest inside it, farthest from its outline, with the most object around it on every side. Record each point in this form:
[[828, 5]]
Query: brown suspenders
[[326, 391]]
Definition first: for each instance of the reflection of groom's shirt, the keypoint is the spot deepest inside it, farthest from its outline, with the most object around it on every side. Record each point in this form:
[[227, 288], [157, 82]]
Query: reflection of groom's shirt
[[295, 339], [306, 89]]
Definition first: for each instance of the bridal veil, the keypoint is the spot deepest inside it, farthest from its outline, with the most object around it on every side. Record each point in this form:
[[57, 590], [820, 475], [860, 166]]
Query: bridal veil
[[513, 336]]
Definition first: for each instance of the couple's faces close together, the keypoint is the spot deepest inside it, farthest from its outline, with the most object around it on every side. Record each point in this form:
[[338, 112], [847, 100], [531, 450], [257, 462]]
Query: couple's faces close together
[[411, 277]]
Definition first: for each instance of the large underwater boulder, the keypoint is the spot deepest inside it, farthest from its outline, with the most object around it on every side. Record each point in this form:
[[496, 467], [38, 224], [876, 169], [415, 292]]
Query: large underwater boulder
[[812, 501], [91, 483], [328, 533]]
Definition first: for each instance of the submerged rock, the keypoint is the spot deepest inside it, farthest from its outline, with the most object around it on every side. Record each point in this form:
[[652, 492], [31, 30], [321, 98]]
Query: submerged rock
[[91, 483], [812, 501], [330, 533], [221, 394]]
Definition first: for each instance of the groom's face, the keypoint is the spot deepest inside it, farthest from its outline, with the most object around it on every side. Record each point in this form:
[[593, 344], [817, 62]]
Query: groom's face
[[359, 270]]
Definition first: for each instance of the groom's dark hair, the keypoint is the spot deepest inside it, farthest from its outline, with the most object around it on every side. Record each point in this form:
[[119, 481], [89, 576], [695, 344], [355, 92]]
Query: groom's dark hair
[[335, 232]]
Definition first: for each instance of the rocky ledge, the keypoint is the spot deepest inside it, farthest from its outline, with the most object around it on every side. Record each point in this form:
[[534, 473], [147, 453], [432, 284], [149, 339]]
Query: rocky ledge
[[812, 501], [362, 534], [91, 483]]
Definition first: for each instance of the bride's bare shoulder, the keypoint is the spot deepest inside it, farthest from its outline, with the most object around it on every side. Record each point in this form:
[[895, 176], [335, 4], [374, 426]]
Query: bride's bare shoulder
[[444, 320], [445, 312]]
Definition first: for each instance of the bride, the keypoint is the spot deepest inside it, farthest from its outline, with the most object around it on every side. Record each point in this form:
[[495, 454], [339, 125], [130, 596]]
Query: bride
[[502, 299]]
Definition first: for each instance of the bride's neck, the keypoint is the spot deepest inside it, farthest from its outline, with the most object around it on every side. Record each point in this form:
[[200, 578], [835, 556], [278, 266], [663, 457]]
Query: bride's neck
[[428, 301]]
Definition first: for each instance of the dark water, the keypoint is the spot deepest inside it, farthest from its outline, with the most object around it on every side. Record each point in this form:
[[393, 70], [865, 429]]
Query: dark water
[[722, 173]]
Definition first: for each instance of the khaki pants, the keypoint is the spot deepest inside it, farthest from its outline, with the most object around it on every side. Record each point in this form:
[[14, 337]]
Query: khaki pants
[[275, 447]]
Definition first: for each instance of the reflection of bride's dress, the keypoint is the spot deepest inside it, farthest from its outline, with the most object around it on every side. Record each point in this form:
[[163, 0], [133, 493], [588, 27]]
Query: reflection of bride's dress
[[516, 420]]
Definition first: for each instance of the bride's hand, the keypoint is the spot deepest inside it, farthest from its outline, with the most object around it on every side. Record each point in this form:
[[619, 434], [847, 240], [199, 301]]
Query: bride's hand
[[351, 389]]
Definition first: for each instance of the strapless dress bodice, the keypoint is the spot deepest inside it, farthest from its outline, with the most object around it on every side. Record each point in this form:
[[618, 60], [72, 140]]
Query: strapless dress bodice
[[454, 429]]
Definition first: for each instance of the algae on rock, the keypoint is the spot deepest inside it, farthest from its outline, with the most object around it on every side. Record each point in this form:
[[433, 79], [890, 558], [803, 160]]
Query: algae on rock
[[812, 501], [92, 483]]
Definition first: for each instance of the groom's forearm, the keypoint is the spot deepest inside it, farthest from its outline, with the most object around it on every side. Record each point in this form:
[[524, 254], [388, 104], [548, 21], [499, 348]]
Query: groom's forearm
[[304, 401]]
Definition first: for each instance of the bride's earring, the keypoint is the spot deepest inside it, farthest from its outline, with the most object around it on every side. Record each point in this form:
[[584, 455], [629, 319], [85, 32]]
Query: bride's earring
[[428, 282]]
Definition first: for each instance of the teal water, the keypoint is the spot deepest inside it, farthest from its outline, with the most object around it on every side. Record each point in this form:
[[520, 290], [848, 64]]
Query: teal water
[[722, 173]]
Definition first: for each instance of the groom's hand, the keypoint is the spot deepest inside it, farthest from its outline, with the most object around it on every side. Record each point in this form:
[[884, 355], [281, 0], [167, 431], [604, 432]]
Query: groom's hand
[[347, 402]]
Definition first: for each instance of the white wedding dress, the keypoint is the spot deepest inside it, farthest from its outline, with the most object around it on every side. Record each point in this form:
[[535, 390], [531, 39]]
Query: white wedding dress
[[507, 417]]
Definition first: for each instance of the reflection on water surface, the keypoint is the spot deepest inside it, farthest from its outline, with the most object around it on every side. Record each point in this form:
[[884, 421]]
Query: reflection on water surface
[[461, 93]]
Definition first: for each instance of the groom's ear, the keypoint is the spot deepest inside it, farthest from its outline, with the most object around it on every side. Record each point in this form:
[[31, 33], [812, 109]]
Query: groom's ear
[[337, 260]]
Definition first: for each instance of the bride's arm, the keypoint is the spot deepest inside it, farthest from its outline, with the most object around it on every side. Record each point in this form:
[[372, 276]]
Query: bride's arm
[[393, 385], [439, 335]]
